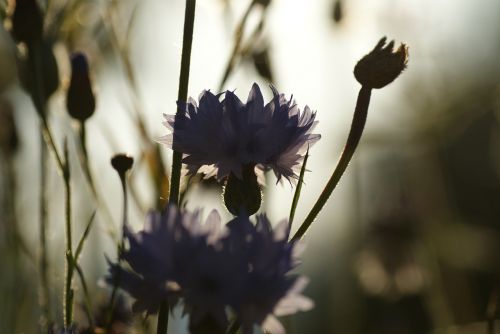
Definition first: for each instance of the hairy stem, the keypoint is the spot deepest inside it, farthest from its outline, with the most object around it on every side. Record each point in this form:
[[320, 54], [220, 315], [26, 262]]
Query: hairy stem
[[357, 127]]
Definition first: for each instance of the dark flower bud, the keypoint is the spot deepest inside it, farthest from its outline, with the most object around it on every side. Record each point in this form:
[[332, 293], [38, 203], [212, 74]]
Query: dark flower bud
[[80, 100], [382, 65], [243, 195], [337, 11], [48, 68], [27, 21], [122, 163]]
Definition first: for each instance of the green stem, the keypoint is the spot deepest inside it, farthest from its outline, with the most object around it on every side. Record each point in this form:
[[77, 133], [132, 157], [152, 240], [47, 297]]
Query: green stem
[[238, 37], [84, 160], [119, 251], [44, 266], [357, 127], [34, 58], [68, 291], [162, 318], [175, 178], [86, 294], [182, 96]]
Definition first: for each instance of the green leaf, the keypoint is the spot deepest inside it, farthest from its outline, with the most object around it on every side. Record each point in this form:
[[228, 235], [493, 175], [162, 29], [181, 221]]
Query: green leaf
[[296, 195], [79, 248]]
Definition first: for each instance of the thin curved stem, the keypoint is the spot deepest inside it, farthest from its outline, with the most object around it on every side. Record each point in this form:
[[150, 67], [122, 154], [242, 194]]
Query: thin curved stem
[[238, 37], [357, 127]]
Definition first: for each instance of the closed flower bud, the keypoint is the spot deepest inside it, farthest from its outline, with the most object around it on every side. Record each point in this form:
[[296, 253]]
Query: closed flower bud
[[80, 99], [122, 163], [243, 195], [27, 21], [48, 67], [382, 65]]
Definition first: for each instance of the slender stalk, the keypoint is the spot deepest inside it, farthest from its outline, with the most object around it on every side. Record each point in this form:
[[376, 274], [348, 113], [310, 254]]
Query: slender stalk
[[182, 95], [296, 195], [44, 263], [86, 294], [238, 37], [88, 173], [175, 178], [34, 57], [68, 291], [162, 318], [121, 246], [357, 127]]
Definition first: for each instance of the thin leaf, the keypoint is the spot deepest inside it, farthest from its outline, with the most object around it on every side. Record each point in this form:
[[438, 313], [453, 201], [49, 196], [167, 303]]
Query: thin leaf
[[79, 248], [296, 195], [86, 294]]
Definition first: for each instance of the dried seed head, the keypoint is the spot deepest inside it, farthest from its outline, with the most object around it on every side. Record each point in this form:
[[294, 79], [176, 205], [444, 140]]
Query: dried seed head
[[122, 163], [80, 100], [27, 21], [382, 65]]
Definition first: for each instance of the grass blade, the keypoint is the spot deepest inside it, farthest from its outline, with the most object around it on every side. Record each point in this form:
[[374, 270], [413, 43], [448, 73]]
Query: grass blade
[[296, 195]]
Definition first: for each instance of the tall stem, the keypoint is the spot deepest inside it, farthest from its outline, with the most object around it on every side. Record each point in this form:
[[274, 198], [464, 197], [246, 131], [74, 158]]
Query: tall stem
[[37, 92], [68, 291], [238, 37], [121, 246], [357, 127], [175, 177], [44, 263], [182, 96]]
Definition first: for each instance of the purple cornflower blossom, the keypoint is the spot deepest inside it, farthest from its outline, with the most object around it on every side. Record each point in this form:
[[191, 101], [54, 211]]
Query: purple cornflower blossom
[[161, 255], [210, 267], [269, 289], [222, 137]]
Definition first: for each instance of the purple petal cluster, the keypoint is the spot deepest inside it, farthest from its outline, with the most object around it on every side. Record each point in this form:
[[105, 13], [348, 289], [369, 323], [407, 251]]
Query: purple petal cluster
[[211, 268], [229, 134]]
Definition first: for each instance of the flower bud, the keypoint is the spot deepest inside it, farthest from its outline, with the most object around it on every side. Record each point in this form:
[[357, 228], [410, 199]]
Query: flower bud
[[80, 100], [122, 163], [27, 21], [48, 68], [337, 11], [243, 195], [382, 65]]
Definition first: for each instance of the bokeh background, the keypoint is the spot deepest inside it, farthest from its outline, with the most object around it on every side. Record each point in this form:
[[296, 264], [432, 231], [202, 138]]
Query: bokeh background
[[410, 240]]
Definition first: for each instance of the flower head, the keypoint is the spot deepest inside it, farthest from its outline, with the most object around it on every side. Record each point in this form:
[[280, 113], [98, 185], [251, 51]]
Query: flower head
[[229, 134], [382, 65], [268, 289], [160, 256], [209, 267]]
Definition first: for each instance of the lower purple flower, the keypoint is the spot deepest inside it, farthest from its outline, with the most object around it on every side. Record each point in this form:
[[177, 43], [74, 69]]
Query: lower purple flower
[[211, 268]]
